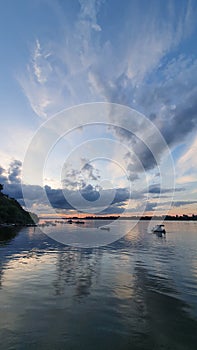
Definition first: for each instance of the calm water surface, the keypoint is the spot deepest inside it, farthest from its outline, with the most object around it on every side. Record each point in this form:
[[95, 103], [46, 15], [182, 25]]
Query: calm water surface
[[137, 293]]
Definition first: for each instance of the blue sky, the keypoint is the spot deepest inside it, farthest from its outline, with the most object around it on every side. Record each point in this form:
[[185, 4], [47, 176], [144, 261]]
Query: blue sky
[[141, 54]]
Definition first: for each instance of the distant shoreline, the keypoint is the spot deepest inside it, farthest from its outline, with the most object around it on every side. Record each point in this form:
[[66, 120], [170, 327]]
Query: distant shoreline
[[137, 218]]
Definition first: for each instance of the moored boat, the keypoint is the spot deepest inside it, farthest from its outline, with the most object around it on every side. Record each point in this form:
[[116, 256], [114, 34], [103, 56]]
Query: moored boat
[[105, 228], [159, 230]]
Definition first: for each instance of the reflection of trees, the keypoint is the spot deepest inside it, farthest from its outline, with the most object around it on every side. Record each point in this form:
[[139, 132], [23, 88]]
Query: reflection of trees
[[6, 235], [1, 276], [77, 269], [167, 324]]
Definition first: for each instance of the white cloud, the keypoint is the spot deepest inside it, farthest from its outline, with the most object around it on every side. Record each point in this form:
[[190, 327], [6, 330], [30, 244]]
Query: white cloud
[[187, 165], [189, 159], [41, 67], [186, 179]]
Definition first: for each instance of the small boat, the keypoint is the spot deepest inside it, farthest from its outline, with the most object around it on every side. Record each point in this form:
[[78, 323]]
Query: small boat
[[159, 230], [105, 228], [69, 221], [31, 225], [79, 222]]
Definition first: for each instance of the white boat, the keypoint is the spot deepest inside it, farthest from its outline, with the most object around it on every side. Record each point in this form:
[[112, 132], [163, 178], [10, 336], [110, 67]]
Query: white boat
[[159, 229]]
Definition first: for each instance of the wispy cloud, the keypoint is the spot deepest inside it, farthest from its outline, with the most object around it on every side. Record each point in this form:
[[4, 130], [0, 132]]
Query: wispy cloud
[[187, 164], [188, 161], [37, 82], [41, 66], [92, 62], [56, 73], [186, 179]]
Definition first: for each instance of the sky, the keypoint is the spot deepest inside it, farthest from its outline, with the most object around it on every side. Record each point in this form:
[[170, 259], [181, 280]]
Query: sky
[[98, 106]]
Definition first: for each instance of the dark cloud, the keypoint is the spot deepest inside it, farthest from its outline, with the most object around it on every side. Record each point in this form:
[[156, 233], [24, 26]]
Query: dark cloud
[[11, 180], [74, 179], [124, 134], [121, 195], [150, 206], [156, 188], [113, 209], [57, 199], [89, 193], [178, 204], [174, 124], [14, 171], [3, 177], [92, 173], [167, 97], [183, 121], [143, 159], [171, 101], [13, 190], [2, 170], [145, 156], [132, 176]]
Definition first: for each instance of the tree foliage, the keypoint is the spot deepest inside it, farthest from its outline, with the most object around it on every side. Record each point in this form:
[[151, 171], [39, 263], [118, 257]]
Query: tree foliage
[[11, 211]]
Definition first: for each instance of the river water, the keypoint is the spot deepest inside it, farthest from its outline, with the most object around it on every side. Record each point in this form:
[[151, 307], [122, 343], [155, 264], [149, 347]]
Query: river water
[[139, 292]]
